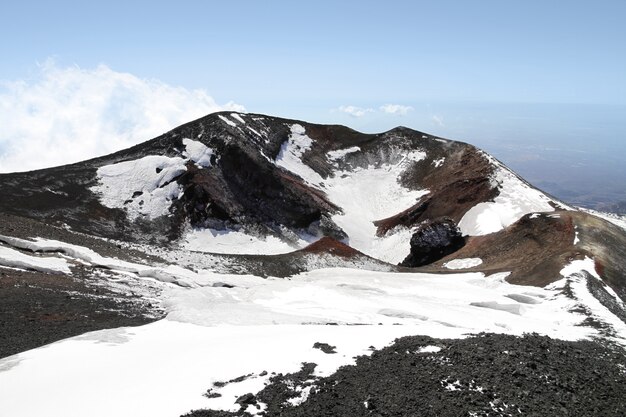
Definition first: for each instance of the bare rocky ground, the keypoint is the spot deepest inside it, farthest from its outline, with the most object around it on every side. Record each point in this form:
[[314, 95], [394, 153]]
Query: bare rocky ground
[[38, 308], [484, 375]]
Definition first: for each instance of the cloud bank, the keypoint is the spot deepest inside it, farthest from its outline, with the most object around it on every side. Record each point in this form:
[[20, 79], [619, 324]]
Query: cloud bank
[[398, 109], [395, 109], [355, 111], [70, 114]]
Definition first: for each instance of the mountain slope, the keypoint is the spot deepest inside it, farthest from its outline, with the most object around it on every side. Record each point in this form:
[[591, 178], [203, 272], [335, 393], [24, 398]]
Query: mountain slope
[[239, 230]]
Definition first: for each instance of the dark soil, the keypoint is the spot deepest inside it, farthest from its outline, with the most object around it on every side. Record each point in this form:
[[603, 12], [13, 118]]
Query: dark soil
[[26, 228], [38, 308], [485, 375]]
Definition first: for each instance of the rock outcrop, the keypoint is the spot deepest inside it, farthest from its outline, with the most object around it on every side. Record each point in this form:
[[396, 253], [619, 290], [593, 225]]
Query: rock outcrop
[[432, 241]]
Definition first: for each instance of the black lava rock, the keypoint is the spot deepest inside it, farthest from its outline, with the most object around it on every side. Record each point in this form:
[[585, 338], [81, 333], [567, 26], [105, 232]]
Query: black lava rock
[[483, 375], [432, 241], [325, 347], [246, 399]]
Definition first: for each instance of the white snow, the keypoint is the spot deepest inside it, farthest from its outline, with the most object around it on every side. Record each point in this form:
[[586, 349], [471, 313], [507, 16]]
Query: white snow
[[369, 194], [616, 219], [463, 263], [167, 274], [438, 162], [338, 295], [162, 369], [218, 333], [153, 176], [290, 155], [429, 349], [15, 259], [236, 242], [516, 199], [198, 152], [238, 117], [227, 120], [253, 131], [340, 153], [578, 284], [147, 186]]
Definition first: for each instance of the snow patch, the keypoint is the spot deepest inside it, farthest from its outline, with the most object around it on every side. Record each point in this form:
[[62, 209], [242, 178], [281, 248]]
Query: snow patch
[[14, 259], [578, 284], [616, 219], [170, 274], [227, 120], [198, 152], [463, 263], [254, 131], [236, 242], [340, 153], [438, 162], [429, 349], [516, 199], [144, 187], [238, 118], [290, 155]]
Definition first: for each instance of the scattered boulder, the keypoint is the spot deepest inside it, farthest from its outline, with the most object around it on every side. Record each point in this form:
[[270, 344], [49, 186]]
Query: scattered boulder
[[432, 241], [325, 347], [246, 399]]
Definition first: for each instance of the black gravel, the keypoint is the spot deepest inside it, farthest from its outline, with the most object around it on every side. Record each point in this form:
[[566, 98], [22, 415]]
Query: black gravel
[[38, 308], [485, 375]]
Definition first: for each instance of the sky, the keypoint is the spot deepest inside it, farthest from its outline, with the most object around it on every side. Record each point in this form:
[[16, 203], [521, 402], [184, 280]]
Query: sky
[[541, 85]]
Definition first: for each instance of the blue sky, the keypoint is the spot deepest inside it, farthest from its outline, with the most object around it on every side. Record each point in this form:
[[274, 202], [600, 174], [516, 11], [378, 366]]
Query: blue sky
[[271, 52], [500, 74]]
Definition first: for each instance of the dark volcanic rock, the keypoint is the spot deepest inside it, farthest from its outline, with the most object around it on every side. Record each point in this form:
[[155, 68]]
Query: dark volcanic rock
[[325, 347], [432, 241], [485, 375], [246, 399]]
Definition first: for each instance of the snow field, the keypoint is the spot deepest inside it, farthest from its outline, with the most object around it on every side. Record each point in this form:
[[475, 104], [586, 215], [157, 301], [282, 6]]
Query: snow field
[[236, 242], [213, 333], [162, 369], [515, 200]]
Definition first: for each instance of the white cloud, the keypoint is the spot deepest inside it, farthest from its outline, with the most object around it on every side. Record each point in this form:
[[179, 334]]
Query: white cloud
[[398, 109], [438, 120], [355, 111], [71, 114]]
